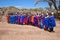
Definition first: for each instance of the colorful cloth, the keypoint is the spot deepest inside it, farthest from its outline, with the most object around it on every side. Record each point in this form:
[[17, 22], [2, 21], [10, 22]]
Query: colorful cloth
[[35, 21], [52, 22], [25, 20], [42, 21], [12, 19], [46, 22], [18, 17], [29, 19], [38, 20], [22, 19], [32, 19]]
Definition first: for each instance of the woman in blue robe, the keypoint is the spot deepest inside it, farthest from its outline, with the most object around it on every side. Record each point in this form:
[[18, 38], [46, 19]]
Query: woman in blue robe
[[12, 19], [35, 21], [52, 23], [42, 21], [18, 17], [46, 23], [22, 19]]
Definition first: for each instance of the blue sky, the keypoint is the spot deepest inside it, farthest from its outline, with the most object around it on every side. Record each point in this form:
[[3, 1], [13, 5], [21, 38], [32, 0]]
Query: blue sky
[[22, 3]]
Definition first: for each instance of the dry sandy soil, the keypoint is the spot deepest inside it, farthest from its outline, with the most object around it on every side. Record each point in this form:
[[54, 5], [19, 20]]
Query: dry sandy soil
[[27, 32]]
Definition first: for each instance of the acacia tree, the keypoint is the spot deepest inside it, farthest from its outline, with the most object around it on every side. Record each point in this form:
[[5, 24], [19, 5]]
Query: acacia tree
[[50, 2]]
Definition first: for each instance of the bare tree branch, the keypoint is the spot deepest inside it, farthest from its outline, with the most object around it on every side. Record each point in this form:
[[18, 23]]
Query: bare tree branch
[[50, 2]]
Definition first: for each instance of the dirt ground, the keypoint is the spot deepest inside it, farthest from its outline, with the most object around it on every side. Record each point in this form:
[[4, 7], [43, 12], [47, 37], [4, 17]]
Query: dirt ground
[[27, 32]]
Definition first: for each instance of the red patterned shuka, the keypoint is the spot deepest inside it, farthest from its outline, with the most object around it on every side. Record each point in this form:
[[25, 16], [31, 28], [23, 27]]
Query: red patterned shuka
[[25, 20]]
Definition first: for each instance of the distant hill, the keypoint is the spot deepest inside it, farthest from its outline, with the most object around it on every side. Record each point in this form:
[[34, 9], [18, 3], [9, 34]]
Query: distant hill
[[12, 9]]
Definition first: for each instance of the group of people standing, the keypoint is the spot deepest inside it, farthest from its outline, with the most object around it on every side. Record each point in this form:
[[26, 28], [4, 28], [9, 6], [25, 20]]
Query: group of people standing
[[43, 21]]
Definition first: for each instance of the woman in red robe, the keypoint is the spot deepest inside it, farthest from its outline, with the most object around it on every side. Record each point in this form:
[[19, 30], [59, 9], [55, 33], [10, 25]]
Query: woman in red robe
[[32, 20], [25, 20], [8, 19]]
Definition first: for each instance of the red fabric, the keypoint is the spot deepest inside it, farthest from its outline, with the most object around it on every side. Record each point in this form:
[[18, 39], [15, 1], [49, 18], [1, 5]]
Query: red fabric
[[38, 21], [25, 20], [32, 19]]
